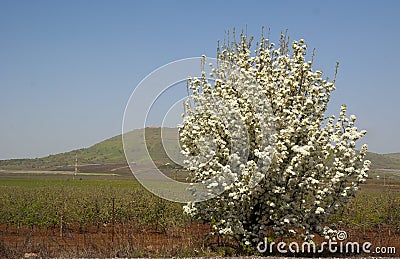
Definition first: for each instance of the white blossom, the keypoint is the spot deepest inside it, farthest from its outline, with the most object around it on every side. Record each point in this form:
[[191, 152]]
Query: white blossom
[[319, 210], [280, 160]]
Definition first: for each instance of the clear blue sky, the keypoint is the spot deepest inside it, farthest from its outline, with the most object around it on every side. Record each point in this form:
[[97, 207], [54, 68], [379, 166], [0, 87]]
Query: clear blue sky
[[67, 68]]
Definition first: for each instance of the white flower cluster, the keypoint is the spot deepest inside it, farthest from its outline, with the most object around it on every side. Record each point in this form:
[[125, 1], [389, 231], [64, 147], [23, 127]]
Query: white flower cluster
[[258, 134]]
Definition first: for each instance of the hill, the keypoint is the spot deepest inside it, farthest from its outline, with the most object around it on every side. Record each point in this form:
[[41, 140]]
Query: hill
[[108, 155], [385, 161], [104, 156], [105, 152]]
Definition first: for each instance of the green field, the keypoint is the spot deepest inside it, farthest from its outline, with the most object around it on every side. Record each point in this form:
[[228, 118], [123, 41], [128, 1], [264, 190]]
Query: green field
[[51, 203], [48, 210]]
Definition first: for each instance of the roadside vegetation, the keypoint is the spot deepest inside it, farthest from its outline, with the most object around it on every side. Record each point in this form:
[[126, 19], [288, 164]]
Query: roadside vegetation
[[103, 218]]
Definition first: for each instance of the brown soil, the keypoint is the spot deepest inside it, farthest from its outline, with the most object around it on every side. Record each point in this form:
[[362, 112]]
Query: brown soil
[[128, 241], [100, 242]]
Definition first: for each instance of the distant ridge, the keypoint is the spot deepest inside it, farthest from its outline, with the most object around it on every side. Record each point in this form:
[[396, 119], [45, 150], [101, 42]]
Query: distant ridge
[[104, 156], [110, 151]]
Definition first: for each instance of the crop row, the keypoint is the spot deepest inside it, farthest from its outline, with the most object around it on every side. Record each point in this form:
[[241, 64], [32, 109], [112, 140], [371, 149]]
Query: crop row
[[51, 204], [55, 204]]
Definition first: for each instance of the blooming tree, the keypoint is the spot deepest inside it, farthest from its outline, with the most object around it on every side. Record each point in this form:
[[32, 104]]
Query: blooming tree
[[256, 135]]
